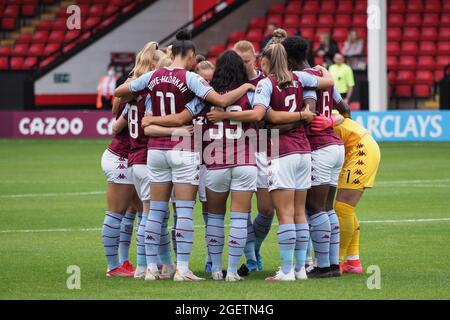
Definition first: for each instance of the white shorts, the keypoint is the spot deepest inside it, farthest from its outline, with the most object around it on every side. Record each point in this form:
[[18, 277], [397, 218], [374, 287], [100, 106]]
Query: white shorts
[[326, 165], [141, 179], [236, 179], [176, 166], [115, 168], [291, 172], [263, 169]]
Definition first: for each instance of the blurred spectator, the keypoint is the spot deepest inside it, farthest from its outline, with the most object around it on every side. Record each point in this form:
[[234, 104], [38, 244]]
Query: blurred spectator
[[343, 77], [105, 89], [268, 35], [353, 49], [125, 75], [205, 69], [327, 49]]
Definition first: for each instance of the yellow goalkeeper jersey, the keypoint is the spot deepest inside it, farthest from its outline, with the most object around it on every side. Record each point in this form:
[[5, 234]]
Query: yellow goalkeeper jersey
[[350, 132]]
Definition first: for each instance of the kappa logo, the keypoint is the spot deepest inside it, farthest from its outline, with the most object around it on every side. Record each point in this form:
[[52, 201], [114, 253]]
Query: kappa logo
[[213, 241], [121, 176], [121, 166], [233, 242], [122, 159], [336, 228], [361, 153], [325, 236], [358, 172], [312, 178], [149, 237], [360, 163], [359, 146], [179, 235], [356, 181]]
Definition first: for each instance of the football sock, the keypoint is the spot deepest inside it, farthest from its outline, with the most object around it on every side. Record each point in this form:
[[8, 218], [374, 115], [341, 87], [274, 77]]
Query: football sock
[[215, 233], [153, 229], [353, 248], [237, 239], [320, 236], [140, 241], [301, 245], [286, 241], [334, 240], [205, 220], [261, 225], [174, 232], [110, 237], [126, 232], [346, 215], [249, 249], [184, 233], [164, 253], [309, 258]]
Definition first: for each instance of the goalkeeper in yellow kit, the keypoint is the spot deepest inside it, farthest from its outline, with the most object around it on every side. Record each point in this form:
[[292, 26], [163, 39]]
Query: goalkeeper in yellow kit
[[362, 158]]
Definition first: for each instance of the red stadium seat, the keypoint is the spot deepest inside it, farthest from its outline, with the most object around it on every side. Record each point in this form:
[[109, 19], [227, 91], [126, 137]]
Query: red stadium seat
[[30, 62], [60, 24], [51, 48], [11, 11], [69, 47], [110, 10], [8, 24], [430, 20], [328, 6], [438, 75], [96, 11], [3, 63], [392, 63], [445, 20], [236, 36], [395, 20], [424, 77], [442, 61], [40, 37], [322, 30], [414, 6], [24, 38], [426, 63], [255, 35], [20, 49], [91, 22], [444, 33], [427, 48], [257, 22], [307, 33], [429, 34], [340, 34], [407, 63], [403, 91], [445, 6], [360, 7], [293, 8], [392, 77], [343, 20], [17, 63], [215, 50], [393, 48], [422, 91], [56, 36], [291, 31], [409, 47], [309, 20], [276, 8], [433, 6], [70, 35], [44, 25], [413, 20], [325, 20], [36, 49], [276, 20], [345, 7], [29, 10], [397, 6], [443, 47], [411, 34], [291, 21], [359, 20], [312, 7], [362, 32], [394, 34], [5, 51]]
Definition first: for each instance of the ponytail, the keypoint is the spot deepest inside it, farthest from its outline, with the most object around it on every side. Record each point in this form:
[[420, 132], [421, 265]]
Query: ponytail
[[183, 43], [278, 65], [148, 56]]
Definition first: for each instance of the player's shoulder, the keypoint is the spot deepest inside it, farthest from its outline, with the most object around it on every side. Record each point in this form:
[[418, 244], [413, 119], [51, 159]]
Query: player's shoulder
[[313, 72]]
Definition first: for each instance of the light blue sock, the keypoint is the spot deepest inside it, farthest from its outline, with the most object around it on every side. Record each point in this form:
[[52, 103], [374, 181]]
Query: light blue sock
[[164, 245], [249, 249], [309, 250], [301, 245], [185, 233], [320, 236], [153, 228], [110, 237], [126, 232], [205, 220], [140, 241], [261, 226], [174, 232], [237, 239], [334, 240], [215, 232], [286, 241]]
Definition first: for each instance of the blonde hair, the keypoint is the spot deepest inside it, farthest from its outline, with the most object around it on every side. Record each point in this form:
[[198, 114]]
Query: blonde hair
[[244, 46], [204, 65], [147, 57], [278, 35], [164, 61], [278, 65]]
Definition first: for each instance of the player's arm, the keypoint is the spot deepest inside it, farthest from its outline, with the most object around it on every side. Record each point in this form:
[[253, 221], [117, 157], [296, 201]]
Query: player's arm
[[129, 90], [171, 120], [338, 119], [119, 125], [340, 104], [326, 81], [254, 115], [115, 106], [283, 117], [283, 128], [160, 131], [313, 82]]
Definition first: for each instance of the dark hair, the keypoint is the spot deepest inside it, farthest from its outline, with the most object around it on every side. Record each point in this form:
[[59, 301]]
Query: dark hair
[[230, 72], [199, 58], [183, 43], [296, 48]]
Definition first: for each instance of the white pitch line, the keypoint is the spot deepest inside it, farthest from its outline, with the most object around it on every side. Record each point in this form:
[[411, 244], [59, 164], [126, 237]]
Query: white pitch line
[[202, 226]]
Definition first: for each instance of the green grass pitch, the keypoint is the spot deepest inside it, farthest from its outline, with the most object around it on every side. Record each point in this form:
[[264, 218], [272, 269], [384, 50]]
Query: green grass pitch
[[40, 188]]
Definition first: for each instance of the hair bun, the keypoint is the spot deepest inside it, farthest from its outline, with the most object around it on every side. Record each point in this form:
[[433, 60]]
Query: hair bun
[[183, 34]]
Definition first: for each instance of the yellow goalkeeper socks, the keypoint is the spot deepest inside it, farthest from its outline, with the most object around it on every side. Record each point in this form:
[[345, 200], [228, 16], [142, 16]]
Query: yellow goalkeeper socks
[[353, 248], [346, 214]]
